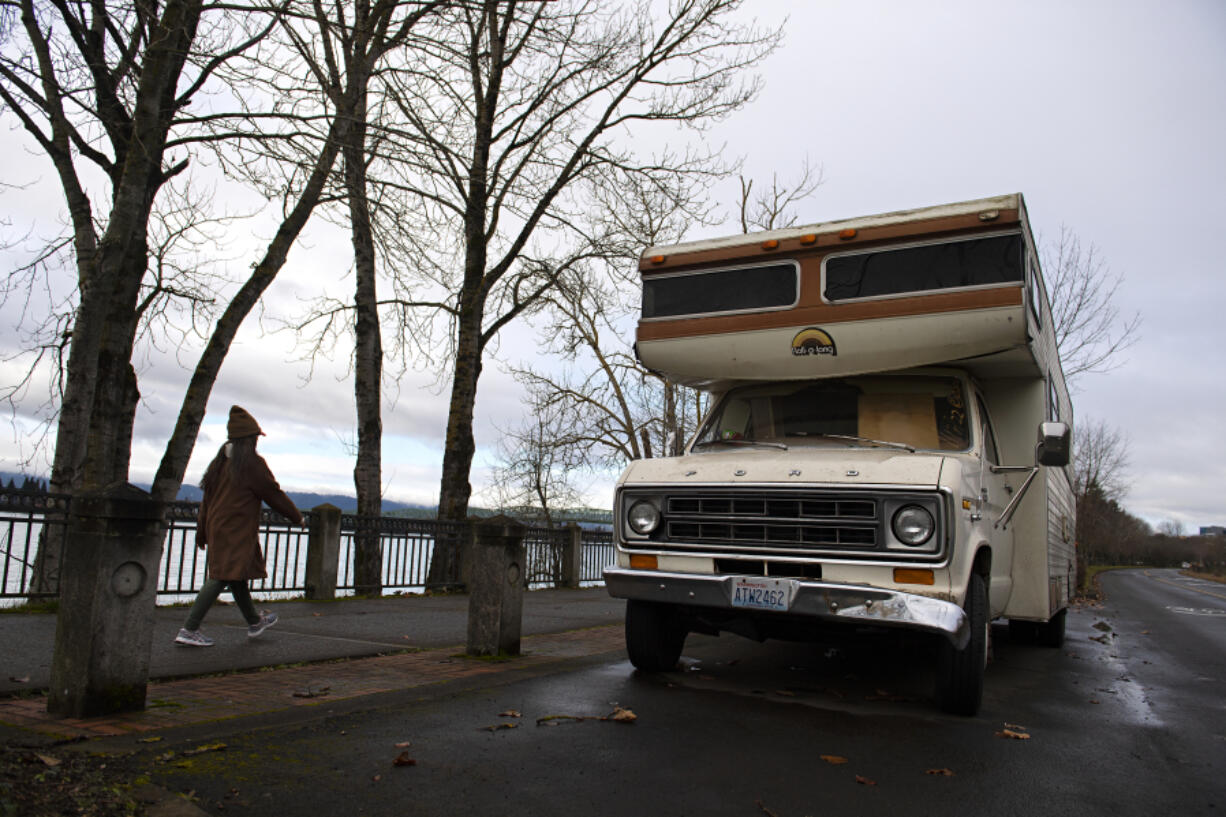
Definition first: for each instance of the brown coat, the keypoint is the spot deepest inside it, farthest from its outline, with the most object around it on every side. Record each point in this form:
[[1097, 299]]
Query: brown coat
[[229, 520]]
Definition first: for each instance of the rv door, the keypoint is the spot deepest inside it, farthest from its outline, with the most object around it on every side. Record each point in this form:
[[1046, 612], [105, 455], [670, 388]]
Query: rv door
[[995, 491]]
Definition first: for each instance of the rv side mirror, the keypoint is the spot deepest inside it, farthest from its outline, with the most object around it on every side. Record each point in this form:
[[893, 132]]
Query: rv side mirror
[[1055, 444]]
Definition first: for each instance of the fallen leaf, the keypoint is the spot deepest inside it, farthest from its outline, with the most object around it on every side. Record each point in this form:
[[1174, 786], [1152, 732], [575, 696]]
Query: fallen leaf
[[403, 759], [865, 781], [940, 772], [152, 739], [404, 744], [25, 679], [48, 760], [1016, 727], [208, 747], [552, 720], [834, 760], [1012, 735], [510, 713], [1094, 700], [376, 778], [623, 715], [498, 726]]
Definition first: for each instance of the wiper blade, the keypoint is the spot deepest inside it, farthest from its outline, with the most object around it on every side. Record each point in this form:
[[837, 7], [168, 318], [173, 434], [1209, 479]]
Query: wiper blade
[[886, 443], [768, 443]]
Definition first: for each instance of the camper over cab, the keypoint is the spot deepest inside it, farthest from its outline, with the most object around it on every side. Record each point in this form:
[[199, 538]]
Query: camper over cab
[[887, 444]]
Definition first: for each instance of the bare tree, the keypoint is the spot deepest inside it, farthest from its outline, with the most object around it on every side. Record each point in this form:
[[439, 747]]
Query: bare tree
[[104, 91], [110, 96], [1105, 530], [1100, 463], [619, 411], [343, 47], [525, 111], [615, 410], [773, 208], [536, 474], [1090, 333], [1172, 528]]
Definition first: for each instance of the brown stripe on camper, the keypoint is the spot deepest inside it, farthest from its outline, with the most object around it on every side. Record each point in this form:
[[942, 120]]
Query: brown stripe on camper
[[828, 241], [822, 313]]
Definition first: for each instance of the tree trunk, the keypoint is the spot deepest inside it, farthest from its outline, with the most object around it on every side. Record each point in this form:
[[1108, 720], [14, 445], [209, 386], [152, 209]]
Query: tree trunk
[[368, 369], [455, 488], [94, 433]]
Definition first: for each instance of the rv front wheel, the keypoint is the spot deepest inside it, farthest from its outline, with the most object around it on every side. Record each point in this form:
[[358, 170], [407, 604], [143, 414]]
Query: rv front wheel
[[654, 635], [960, 672]]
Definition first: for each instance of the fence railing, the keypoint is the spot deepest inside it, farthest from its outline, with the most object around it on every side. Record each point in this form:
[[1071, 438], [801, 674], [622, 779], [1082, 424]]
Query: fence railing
[[407, 546]]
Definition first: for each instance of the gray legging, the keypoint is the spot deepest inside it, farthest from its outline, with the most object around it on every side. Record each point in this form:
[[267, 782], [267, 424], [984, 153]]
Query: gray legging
[[208, 594]]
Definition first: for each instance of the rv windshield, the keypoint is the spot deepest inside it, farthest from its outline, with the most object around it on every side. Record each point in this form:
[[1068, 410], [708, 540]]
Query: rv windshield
[[905, 411]]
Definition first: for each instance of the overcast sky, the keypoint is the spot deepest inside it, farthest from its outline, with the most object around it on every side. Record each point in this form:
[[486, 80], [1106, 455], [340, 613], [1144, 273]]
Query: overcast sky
[[1110, 117]]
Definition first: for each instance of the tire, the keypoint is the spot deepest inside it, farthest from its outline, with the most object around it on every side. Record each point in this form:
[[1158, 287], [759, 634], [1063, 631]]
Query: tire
[[654, 635], [1051, 633], [960, 672]]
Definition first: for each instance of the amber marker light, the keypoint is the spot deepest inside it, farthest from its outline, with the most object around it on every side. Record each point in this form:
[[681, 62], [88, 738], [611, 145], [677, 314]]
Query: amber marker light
[[848, 234], [639, 561], [772, 244], [808, 238], [911, 575]]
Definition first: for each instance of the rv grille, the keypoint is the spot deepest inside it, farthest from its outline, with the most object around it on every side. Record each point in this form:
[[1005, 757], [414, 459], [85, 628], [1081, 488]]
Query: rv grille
[[767, 523]]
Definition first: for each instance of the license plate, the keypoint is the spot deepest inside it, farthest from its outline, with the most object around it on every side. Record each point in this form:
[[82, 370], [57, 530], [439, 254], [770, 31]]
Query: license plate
[[762, 594]]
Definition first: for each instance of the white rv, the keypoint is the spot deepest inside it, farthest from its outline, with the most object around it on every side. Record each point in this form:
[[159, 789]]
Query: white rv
[[888, 440]]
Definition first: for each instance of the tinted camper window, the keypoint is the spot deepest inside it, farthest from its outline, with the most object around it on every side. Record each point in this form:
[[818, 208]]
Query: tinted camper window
[[949, 265], [770, 286]]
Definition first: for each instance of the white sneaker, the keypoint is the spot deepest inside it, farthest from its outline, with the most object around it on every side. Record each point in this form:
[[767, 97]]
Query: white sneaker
[[267, 619], [193, 638]]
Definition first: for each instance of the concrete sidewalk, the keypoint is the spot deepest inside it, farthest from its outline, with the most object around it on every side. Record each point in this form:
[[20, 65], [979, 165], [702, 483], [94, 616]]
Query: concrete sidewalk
[[400, 641]]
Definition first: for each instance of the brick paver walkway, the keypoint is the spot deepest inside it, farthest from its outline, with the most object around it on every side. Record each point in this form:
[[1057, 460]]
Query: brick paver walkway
[[199, 700]]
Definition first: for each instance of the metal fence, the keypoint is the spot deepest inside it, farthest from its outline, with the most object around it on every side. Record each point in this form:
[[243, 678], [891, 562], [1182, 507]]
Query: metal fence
[[407, 547]]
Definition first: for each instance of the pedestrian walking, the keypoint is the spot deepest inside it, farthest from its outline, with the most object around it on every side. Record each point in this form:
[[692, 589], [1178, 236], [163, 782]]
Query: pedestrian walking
[[228, 526]]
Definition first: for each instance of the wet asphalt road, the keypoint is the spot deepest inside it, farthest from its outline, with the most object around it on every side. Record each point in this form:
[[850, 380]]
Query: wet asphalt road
[[1128, 718]]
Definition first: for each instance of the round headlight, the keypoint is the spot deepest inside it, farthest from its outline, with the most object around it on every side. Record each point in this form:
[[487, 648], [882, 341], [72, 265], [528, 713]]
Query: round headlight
[[643, 517], [913, 525]]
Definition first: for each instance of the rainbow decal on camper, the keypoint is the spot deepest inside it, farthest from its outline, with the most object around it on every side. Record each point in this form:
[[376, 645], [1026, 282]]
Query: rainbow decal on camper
[[813, 341]]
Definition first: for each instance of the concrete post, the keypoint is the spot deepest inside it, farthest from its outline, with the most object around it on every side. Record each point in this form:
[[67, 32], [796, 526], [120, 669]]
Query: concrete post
[[496, 589], [108, 592], [323, 552], [572, 556]]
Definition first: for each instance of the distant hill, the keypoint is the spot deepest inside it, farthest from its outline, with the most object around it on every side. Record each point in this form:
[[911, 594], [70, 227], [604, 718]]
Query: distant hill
[[587, 517], [191, 493]]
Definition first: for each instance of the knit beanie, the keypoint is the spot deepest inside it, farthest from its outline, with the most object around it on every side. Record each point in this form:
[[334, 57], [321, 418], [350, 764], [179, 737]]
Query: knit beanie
[[241, 424]]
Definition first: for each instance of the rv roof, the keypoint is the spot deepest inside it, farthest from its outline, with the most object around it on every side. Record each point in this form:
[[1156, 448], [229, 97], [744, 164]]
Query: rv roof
[[1006, 202]]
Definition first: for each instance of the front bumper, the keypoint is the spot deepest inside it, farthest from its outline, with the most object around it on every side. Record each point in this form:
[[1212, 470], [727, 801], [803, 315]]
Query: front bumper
[[846, 603]]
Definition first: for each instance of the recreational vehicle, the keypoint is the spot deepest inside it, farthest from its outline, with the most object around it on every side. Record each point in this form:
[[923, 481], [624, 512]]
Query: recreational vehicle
[[887, 443]]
